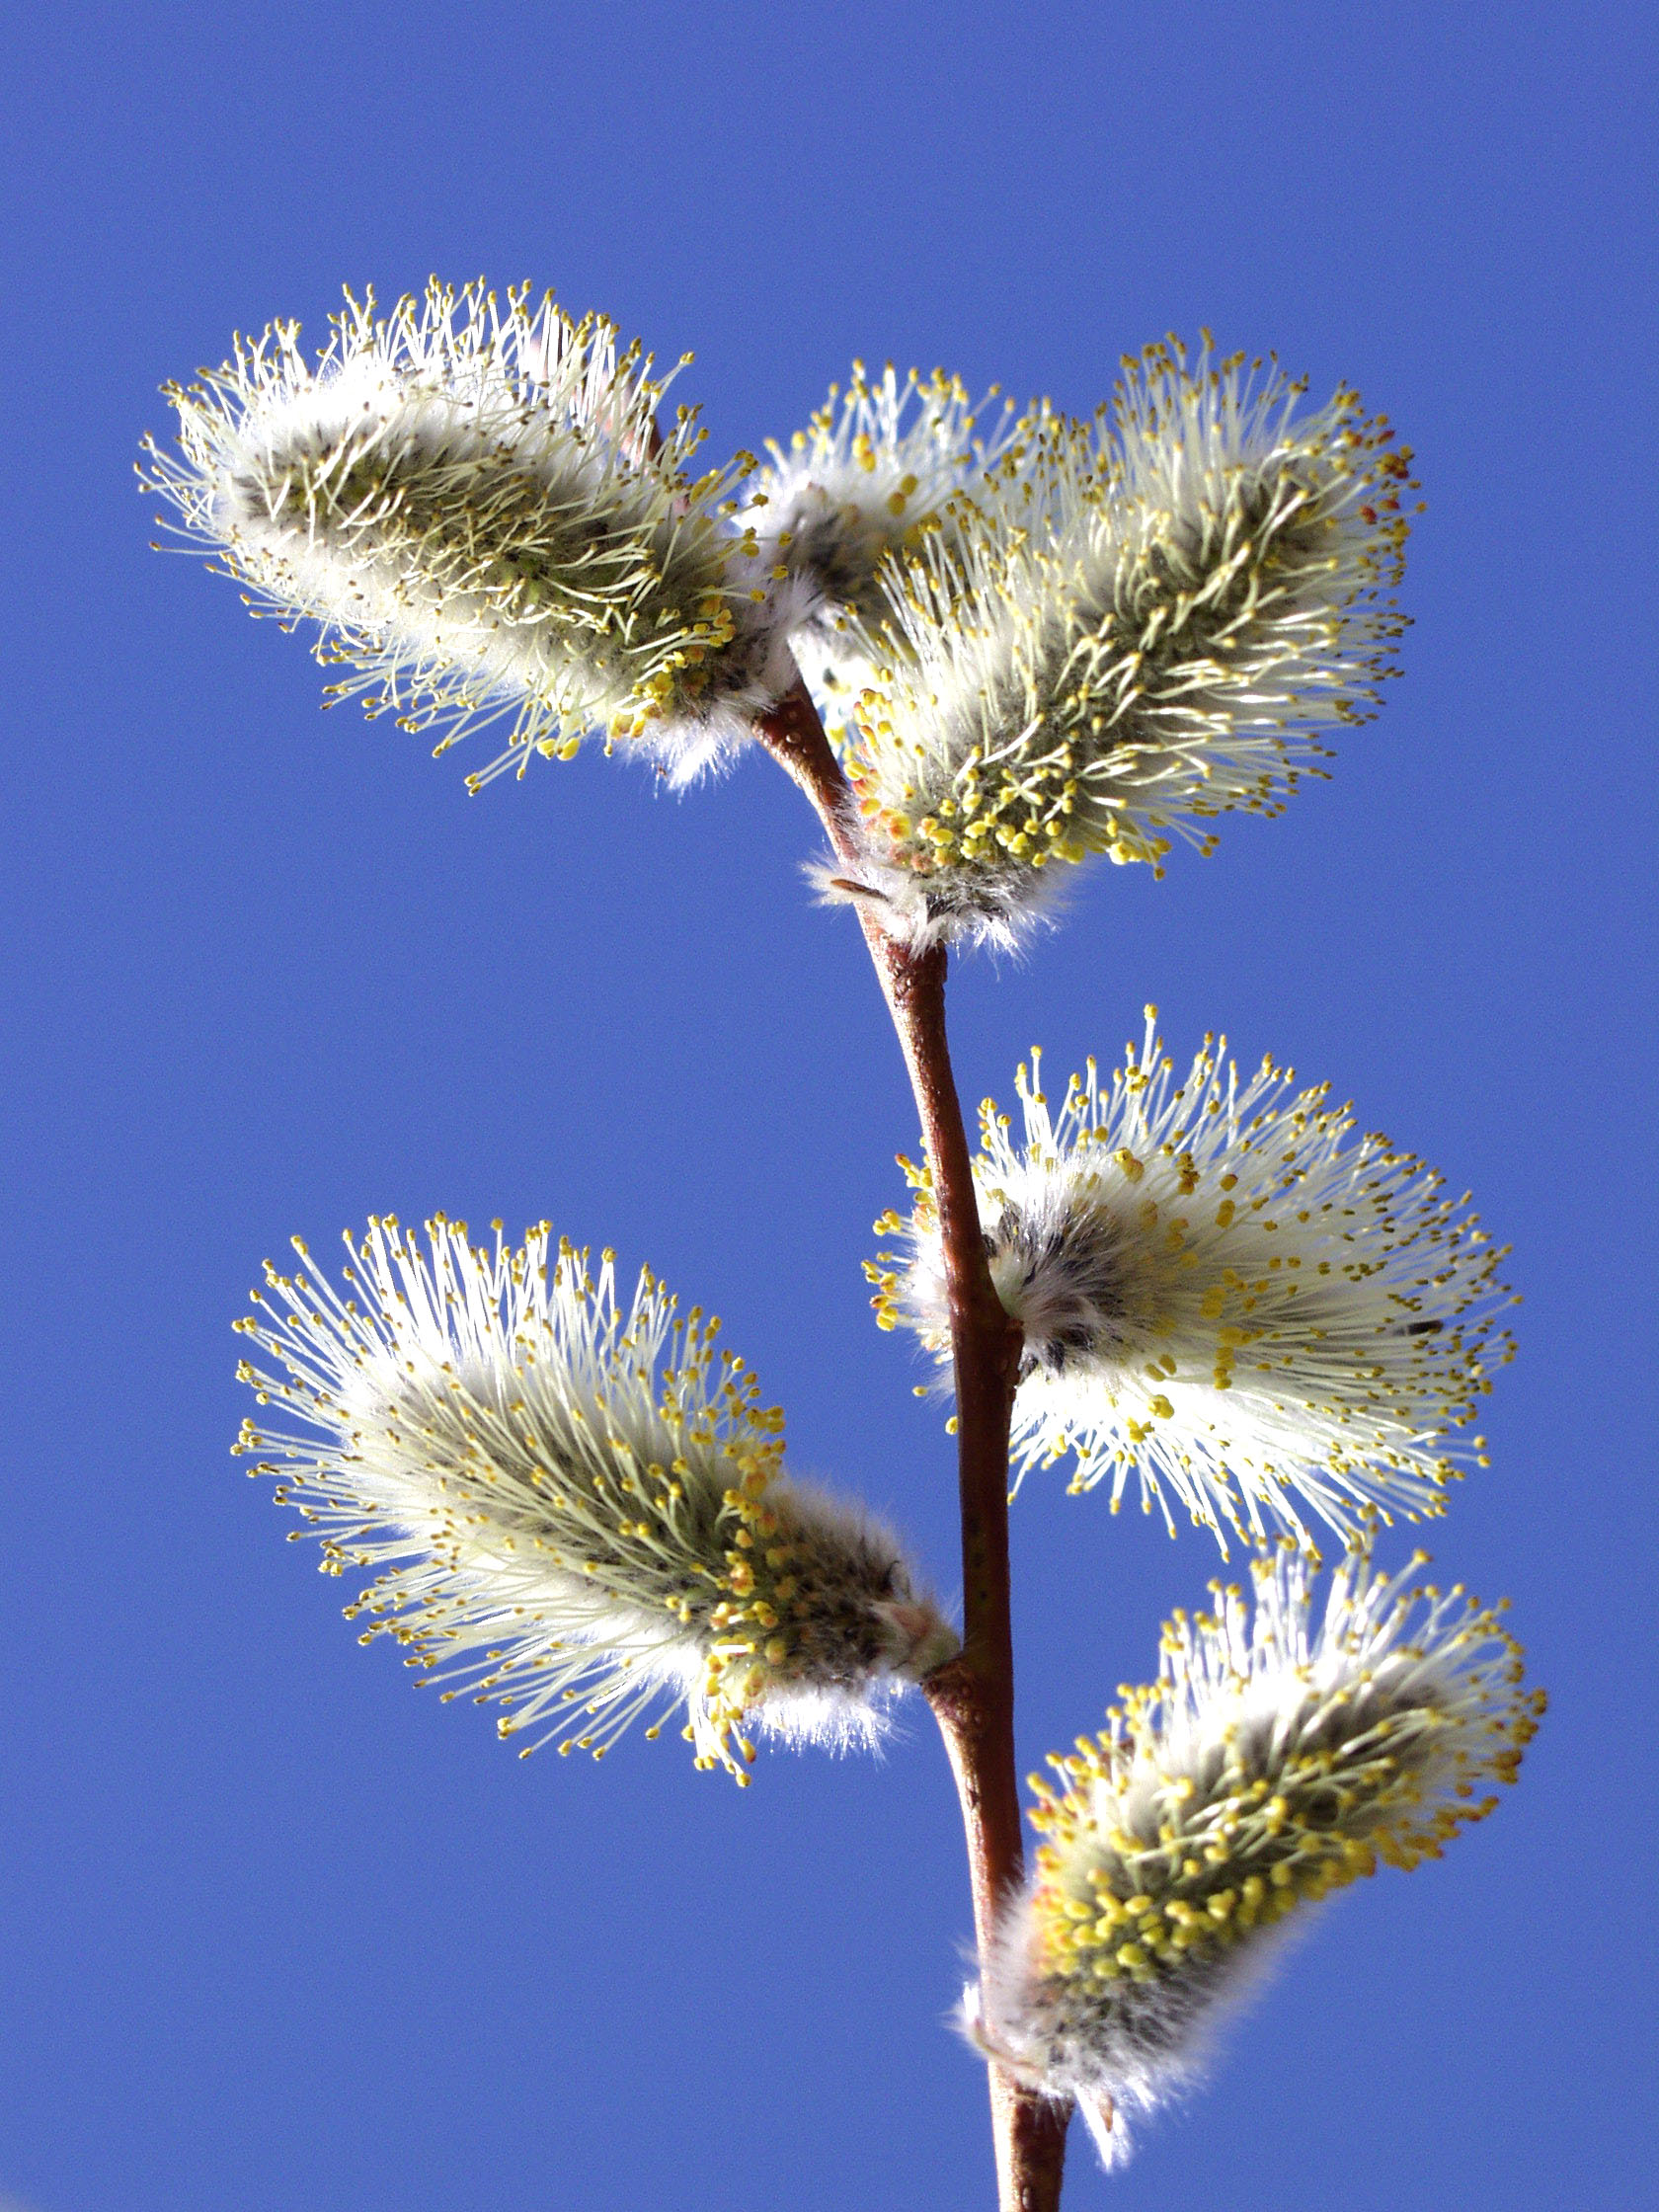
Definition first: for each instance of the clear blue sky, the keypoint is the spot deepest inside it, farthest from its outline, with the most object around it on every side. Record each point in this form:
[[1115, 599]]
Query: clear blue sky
[[277, 1934]]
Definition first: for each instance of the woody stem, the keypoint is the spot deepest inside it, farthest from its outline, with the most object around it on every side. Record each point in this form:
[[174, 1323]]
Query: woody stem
[[973, 1695]]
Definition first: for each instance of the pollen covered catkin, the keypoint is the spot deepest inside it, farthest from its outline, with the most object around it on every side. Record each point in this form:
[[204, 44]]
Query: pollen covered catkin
[[474, 502], [579, 1510], [1226, 1296], [1269, 1765], [1128, 631]]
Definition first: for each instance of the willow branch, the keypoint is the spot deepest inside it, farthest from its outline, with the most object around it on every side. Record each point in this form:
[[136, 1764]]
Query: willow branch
[[972, 1697]]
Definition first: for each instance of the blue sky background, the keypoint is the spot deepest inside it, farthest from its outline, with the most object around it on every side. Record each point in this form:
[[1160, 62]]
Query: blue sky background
[[277, 1934]]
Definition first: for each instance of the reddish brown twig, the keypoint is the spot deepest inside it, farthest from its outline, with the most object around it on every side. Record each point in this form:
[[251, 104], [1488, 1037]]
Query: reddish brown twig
[[972, 1697]]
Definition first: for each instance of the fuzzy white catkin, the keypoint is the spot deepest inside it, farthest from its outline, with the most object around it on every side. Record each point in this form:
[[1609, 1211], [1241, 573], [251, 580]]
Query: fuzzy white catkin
[[474, 502], [1268, 1766], [1227, 1294], [579, 1510], [1128, 633], [874, 470]]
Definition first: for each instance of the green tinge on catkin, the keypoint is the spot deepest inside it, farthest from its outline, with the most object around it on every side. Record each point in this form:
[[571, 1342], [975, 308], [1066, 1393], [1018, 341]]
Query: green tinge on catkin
[[474, 502], [578, 1510]]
